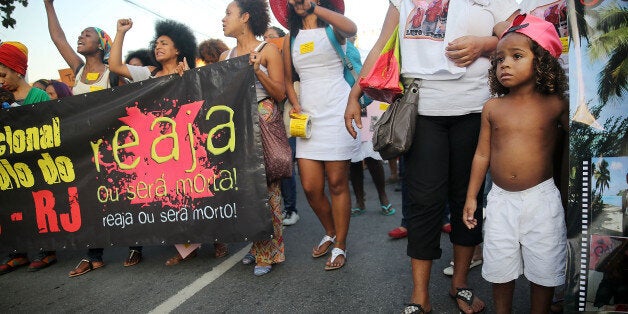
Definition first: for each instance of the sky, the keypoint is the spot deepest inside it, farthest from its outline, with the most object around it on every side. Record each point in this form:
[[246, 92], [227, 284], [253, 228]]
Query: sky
[[202, 16]]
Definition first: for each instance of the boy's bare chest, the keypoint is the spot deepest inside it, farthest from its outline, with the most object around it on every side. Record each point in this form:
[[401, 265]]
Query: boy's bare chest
[[523, 119]]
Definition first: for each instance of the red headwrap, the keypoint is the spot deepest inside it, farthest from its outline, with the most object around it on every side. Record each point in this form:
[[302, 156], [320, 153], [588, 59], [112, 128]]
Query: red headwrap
[[14, 55]]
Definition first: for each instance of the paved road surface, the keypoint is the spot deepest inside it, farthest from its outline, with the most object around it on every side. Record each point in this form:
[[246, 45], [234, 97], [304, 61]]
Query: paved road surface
[[376, 278]]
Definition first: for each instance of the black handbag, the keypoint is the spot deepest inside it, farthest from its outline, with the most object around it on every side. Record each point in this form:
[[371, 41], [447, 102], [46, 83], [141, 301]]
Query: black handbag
[[393, 133]]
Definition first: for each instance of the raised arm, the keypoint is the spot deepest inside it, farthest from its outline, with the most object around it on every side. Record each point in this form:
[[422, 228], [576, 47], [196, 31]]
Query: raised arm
[[58, 38], [116, 65], [352, 112], [342, 25]]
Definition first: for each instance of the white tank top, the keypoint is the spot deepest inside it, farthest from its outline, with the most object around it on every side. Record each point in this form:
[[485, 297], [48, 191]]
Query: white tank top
[[82, 88], [259, 88]]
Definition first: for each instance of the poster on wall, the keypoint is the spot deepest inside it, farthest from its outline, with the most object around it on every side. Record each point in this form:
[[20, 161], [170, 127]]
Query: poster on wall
[[597, 213], [162, 161]]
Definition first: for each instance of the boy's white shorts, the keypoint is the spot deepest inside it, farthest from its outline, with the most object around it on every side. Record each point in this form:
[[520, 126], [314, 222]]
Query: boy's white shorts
[[525, 233]]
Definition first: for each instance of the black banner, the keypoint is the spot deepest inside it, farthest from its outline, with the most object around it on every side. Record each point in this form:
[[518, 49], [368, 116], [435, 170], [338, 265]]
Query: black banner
[[168, 160]]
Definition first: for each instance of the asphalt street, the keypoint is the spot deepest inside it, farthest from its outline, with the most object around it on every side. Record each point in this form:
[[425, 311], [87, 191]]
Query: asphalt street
[[376, 278]]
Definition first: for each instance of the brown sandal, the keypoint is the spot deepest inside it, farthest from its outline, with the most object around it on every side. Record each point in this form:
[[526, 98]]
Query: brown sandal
[[220, 249], [85, 266], [134, 258], [178, 259]]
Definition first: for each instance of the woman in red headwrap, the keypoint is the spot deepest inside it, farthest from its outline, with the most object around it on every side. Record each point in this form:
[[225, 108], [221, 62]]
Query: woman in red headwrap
[[13, 64]]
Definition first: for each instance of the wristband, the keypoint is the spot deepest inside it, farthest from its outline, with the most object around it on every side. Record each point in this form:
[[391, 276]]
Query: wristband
[[311, 9]]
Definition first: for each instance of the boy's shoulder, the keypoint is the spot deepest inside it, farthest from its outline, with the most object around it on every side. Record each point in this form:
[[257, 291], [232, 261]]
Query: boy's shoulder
[[493, 102]]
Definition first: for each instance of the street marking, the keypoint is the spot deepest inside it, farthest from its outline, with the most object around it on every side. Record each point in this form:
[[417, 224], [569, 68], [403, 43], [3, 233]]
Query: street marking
[[200, 283]]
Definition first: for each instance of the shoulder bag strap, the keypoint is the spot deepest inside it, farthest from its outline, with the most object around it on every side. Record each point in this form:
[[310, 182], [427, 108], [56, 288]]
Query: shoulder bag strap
[[343, 57]]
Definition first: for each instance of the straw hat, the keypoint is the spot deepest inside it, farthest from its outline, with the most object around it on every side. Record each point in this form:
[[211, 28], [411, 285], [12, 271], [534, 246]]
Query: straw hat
[[280, 9]]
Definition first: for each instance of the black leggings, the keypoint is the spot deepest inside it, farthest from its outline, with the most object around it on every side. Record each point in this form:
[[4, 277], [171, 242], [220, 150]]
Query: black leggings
[[437, 170]]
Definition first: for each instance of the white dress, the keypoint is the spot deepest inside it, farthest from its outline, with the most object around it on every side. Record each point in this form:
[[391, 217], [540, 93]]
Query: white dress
[[324, 94]]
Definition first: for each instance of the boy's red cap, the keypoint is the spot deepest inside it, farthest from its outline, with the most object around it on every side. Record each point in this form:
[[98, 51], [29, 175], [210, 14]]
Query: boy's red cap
[[541, 31]]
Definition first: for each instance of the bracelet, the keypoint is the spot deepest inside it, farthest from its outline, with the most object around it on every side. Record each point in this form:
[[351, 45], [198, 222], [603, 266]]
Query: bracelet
[[311, 9]]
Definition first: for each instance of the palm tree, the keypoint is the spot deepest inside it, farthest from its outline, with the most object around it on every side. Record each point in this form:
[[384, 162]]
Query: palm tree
[[602, 177], [611, 41]]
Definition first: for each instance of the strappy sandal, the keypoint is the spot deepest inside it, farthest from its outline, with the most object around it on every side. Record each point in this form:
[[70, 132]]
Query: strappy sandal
[[334, 254], [84, 266], [134, 258], [178, 258], [325, 239]]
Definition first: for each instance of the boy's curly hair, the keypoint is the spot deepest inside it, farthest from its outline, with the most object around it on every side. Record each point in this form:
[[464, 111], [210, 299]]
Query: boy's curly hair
[[549, 75], [182, 37], [144, 55], [259, 18], [210, 50], [295, 22]]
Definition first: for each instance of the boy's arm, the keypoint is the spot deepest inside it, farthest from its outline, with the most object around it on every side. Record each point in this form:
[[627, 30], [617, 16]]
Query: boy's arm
[[478, 168]]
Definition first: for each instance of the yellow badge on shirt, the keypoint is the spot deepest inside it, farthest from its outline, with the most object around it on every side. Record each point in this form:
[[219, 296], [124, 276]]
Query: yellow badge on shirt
[[383, 106], [95, 88], [92, 76], [307, 47], [565, 42]]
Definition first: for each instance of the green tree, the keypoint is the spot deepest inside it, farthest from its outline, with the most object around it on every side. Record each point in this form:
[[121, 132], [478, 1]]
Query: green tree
[[611, 41], [602, 177], [6, 9]]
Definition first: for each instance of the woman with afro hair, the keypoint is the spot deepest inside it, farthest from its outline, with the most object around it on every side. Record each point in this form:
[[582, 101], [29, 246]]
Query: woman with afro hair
[[173, 47], [245, 20], [171, 51]]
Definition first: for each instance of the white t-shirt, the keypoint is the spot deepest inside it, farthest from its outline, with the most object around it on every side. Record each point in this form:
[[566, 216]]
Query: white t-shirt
[[138, 73], [425, 31]]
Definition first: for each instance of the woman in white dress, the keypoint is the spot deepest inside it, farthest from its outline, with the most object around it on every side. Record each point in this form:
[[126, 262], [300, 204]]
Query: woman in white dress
[[324, 93]]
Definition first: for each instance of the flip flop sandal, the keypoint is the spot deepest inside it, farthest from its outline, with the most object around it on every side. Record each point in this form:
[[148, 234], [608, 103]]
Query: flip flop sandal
[[414, 308], [357, 211], [334, 254], [325, 239], [84, 266], [464, 294], [134, 258], [388, 210]]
